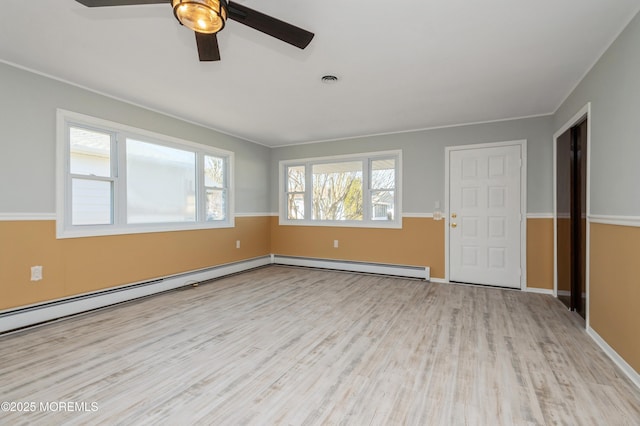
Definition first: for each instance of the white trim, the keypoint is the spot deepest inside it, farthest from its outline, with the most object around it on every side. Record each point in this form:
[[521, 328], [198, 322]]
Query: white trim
[[539, 290], [630, 18], [585, 111], [422, 272], [523, 202], [422, 129], [529, 215], [567, 293], [258, 214], [633, 221], [438, 280], [24, 316], [627, 369], [418, 215], [410, 215], [377, 224], [17, 217], [342, 157], [539, 215]]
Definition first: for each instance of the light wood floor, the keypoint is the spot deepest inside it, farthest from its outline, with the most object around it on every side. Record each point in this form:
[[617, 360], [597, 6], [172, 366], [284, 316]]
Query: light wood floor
[[304, 347]]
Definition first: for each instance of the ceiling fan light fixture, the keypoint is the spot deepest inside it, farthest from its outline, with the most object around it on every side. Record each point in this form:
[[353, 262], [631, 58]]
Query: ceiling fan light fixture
[[202, 16]]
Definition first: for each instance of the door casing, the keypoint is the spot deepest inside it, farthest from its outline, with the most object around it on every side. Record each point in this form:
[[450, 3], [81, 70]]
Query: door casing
[[584, 112], [523, 202]]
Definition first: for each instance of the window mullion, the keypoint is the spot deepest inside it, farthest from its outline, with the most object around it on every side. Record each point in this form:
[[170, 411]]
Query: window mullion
[[120, 184], [308, 191], [366, 192], [226, 192], [68, 193], [92, 177], [200, 190]]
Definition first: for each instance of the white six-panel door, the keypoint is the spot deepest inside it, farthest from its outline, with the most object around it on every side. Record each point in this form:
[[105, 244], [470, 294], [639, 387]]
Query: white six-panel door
[[485, 215]]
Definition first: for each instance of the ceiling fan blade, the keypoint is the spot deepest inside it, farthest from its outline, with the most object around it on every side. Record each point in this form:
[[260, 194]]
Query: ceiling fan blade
[[271, 26], [101, 3], [207, 47]]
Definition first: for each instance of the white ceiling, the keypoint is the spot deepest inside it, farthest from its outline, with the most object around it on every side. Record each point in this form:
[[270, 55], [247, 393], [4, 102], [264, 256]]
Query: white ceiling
[[403, 65]]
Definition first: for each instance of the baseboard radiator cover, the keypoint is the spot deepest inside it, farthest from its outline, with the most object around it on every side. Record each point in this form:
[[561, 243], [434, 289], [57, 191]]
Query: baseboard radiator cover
[[421, 272], [26, 316]]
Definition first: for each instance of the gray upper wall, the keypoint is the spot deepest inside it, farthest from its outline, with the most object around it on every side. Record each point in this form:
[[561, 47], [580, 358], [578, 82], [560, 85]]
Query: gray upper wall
[[28, 104], [27, 139], [613, 88], [423, 156]]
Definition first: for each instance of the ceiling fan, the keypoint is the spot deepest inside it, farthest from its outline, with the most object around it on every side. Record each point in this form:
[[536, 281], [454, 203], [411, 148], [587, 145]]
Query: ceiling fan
[[207, 17]]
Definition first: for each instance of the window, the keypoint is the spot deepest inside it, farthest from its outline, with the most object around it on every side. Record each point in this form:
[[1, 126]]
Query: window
[[115, 179], [354, 190]]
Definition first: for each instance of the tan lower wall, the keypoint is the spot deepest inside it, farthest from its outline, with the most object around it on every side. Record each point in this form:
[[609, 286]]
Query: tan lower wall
[[614, 289], [420, 242], [80, 265], [540, 253]]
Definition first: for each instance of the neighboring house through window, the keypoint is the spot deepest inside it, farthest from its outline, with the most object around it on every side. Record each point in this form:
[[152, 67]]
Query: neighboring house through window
[[115, 179]]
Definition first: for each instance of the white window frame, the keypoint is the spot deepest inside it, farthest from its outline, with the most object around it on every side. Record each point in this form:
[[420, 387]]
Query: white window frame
[[120, 132], [367, 221]]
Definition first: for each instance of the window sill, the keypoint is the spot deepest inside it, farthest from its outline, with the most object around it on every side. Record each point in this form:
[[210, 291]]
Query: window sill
[[384, 224], [100, 231]]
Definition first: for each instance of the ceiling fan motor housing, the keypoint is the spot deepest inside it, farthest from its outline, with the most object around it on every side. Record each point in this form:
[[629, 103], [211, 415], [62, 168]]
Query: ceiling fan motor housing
[[202, 16], [207, 17]]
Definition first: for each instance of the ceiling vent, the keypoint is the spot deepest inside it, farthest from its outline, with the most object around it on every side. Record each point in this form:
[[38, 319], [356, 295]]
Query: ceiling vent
[[329, 79]]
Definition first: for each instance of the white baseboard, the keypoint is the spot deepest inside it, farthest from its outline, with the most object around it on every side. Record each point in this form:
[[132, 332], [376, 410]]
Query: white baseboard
[[439, 280], [539, 290], [617, 359], [422, 272], [567, 293], [34, 314]]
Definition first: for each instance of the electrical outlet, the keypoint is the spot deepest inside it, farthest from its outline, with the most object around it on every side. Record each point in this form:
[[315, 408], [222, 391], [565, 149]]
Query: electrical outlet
[[238, 244], [36, 273], [335, 243]]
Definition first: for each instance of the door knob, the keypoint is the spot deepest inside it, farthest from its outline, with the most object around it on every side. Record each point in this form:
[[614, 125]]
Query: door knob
[[453, 224]]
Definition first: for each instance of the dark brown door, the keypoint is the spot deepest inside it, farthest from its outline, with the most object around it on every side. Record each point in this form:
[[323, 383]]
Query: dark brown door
[[571, 190]]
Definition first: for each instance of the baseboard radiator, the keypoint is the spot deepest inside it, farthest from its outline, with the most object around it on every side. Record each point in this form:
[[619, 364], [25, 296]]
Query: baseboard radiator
[[13, 319], [16, 318], [421, 272]]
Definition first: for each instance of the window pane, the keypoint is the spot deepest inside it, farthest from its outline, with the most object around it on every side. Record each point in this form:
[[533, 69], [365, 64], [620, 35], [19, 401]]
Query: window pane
[[160, 183], [295, 206], [383, 205], [337, 191], [213, 171], [383, 174], [90, 152], [295, 179], [91, 202], [216, 204]]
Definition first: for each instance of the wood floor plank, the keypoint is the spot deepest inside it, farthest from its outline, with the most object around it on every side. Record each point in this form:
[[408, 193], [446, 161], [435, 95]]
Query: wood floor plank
[[294, 346]]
